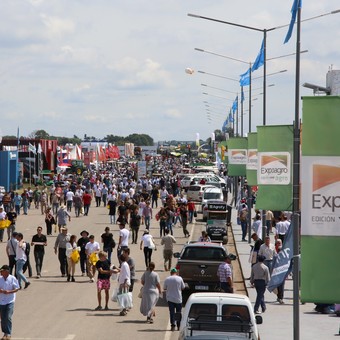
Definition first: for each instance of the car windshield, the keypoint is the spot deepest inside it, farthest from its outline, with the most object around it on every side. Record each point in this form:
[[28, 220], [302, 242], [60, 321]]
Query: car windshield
[[212, 195], [201, 253]]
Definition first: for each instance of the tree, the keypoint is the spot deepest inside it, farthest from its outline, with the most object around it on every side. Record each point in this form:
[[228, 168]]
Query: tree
[[39, 134]]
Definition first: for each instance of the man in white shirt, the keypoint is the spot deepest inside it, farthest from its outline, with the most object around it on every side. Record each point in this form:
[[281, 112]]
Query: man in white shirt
[[123, 241], [69, 199], [21, 260], [257, 226], [267, 250], [282, 228], [92, 247], [8, 287]]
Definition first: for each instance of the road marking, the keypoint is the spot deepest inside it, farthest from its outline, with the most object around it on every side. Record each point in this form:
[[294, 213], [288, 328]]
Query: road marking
[[168, 334]]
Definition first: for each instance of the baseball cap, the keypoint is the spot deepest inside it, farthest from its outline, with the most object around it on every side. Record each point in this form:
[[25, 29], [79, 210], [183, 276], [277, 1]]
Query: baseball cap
[[173, 270]]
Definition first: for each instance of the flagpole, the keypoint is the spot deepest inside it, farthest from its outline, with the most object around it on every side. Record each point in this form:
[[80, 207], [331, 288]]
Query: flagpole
[[296, 183], [30, 163]]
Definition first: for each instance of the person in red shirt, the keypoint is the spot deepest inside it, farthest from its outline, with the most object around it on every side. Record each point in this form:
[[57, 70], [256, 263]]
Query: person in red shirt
[[191, 210], [87, 198]]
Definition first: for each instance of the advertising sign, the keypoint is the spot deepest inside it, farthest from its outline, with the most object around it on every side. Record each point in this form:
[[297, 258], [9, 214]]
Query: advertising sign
[[237, 156], [274, 168], [320, 200]]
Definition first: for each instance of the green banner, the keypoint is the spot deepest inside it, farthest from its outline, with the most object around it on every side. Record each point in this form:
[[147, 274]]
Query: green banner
[[252, 161], [274, 174], [320, 200], [237, 156]]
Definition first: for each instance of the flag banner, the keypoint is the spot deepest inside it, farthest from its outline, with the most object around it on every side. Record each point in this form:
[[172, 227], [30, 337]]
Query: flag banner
[[223, 151], [259, 59], [237, 156], [31, 148], [231, 118], [242, 95], [245, 78], [274, 172], [296, 5], [252, 160], [282, 262], [235, 104], [320, 200]]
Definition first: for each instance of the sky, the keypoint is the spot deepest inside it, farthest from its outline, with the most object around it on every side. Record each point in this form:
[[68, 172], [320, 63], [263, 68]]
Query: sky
[[75, 67]]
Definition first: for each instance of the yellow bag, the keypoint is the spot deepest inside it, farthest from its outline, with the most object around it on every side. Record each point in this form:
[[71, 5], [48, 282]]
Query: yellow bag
[[5, 224], [93, 258], [75, 256], [108, 206]]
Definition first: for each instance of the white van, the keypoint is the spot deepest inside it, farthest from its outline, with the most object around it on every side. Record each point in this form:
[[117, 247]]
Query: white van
[[214, 315]]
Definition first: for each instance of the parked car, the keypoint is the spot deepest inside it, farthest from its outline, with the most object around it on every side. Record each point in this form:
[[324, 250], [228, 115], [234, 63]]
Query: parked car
[[209, 178], [196, 191]]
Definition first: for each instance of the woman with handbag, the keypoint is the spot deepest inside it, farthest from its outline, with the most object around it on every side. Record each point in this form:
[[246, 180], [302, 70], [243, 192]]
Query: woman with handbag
[[71, 246], [151, 292], [149, 245]]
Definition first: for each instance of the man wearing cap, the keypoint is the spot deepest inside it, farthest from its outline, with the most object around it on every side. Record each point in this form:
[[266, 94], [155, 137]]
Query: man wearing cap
[[173, 286], [83, 258], [259, 278], [8, 287], [62, 216], [225, 275]]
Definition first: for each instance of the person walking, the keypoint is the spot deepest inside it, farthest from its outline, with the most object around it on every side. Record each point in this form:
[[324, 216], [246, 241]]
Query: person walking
[[267, 250], [103, 283], [124, 281], [10, 250], [62, 216], [112, 203], [123, 241], [225, 274], [60, 249], [39, 241], [148, 245], [184, 218], [71, 246], [49, 221], [21, 260], [131, 262], [168, 250], [82, 242], [259, 278], [87, 198], [92, 247], [151, 292], [108, 243], [173, 286], [135, 221], [9, 285], [147, 214]]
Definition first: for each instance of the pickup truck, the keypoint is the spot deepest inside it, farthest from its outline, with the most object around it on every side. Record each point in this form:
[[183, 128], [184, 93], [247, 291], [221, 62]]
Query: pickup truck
[[218, 316], [197, 264]]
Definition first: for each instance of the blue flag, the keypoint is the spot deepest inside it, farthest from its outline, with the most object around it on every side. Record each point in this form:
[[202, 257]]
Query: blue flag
[[242, 95], [259, 59], [235, 104], [282, 263], [224, 125], [296, 5], [245, 78], [231, 118]]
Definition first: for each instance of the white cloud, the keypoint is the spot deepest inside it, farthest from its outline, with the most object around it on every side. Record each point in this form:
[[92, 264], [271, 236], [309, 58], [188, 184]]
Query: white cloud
[[57, 27], [69, 55], [173, 113], [136, 73]]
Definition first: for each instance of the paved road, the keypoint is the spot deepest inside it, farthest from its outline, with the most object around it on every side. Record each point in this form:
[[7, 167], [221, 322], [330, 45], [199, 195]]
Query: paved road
[[52, 308]]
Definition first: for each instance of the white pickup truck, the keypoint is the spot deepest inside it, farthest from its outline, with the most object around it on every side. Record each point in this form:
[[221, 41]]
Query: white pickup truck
[[218, 316]]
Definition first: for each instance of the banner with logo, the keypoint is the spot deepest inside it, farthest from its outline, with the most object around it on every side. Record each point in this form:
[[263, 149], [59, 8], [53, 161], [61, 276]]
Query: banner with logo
[[320, 200], [237, 156], [274, 172], [251, 168]]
